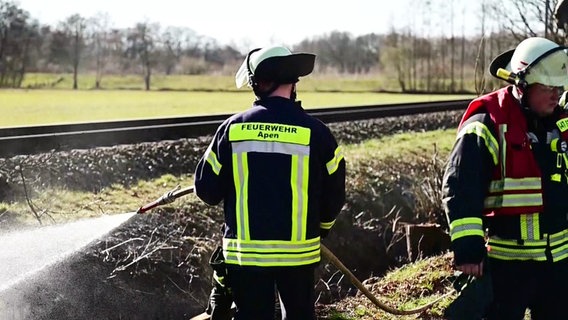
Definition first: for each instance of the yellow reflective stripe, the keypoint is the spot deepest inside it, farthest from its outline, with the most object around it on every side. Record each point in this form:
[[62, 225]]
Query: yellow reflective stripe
[[303, 185], [295, 189], [240, 176], [464, 227], [503, 149], [272, 260], [560, 253], [506, 249], [554, 144], [271, 252], [562, 124], [481, 130], [327, 225], [269, 132], [514, 200], [211, 158], [299, 184], [512, 184], [271, 246], [530, 226], [333, 164], [495, 241], [296, 211], [517, 254], [557, 177], [559, 242], [557, 238]]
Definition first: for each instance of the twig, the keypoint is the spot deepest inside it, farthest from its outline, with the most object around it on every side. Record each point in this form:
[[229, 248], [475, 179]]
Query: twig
[[124, 242], [124, 267]]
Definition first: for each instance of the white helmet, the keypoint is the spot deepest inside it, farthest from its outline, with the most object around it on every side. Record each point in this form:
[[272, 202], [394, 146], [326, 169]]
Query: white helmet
[[534, 60], [276, 64]]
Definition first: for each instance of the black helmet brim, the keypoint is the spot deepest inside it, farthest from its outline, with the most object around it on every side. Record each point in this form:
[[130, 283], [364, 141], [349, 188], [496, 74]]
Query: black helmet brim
[[285, 69], [502, 61]]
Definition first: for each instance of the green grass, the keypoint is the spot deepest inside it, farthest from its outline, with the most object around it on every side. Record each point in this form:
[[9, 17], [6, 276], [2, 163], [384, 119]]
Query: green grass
[[39, 107], [122, 97], [64, 205], [313, 82], [408, 144]]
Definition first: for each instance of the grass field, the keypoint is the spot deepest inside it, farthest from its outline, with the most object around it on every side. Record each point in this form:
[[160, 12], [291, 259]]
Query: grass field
[[192, 95], [314, 82]]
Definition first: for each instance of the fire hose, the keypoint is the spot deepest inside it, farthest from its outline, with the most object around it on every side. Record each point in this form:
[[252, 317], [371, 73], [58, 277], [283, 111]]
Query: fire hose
[[177, 192]]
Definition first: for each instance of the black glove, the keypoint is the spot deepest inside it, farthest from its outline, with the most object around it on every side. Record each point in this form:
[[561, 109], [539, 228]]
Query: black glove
[[474, 299], [221, 298]]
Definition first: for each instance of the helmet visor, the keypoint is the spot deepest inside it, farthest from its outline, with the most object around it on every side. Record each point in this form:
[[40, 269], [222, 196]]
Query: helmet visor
[[552, 70]]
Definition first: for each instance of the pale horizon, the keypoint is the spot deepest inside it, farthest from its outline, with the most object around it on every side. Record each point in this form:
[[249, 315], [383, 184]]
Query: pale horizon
[[253, 23]]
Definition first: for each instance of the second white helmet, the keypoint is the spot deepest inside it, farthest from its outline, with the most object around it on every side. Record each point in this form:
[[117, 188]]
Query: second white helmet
[[535, 60]]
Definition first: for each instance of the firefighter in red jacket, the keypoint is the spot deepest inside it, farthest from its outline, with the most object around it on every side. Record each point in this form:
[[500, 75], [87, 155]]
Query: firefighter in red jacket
[[506, 185], [281, 176]]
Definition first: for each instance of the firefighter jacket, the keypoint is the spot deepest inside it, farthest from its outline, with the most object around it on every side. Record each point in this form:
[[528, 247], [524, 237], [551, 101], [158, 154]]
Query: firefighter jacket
[[281, 177], [506, 182]]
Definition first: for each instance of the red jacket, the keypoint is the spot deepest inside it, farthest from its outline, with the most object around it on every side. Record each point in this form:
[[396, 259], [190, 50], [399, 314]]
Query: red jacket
[[516, 186]]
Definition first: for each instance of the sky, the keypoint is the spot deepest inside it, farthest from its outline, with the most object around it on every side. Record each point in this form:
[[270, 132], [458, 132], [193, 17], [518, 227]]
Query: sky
[[253, 23]]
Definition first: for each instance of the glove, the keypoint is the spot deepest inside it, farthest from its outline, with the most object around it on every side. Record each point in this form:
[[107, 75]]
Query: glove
[[474, 299], [220, 299]]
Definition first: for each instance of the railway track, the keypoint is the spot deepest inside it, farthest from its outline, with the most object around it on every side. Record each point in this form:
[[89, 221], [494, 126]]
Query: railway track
[[37, 139]]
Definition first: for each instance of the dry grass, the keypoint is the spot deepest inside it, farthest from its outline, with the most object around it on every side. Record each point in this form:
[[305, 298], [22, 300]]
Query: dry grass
[[405, 288]]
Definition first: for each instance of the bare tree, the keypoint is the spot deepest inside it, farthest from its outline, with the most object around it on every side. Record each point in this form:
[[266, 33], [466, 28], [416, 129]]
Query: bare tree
[[396, 51], [100, 33], [172, 48], [18, 36], [528, 18], [141, 45], [70, 42]]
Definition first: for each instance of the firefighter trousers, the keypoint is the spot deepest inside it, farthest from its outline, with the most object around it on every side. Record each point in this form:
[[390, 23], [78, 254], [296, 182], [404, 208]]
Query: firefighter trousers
[[254, 292], [536, 285]]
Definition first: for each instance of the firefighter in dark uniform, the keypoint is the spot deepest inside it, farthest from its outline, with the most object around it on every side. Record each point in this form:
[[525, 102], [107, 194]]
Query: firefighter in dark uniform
[[506, 186], [281, 176]]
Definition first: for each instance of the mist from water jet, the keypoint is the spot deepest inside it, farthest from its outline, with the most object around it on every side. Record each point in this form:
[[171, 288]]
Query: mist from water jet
[[24, 253]]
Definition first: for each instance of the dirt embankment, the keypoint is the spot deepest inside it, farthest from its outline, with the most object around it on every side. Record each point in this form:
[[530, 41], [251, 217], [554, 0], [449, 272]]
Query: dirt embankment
[[155, 266]]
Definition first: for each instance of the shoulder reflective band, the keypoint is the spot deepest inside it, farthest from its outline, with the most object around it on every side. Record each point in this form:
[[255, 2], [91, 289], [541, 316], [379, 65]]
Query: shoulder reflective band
[[481, 130], [211, 158], [269, 132], [333, 164]]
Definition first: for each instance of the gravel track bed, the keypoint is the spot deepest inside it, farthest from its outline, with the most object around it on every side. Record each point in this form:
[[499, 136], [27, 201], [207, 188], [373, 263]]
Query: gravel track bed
[[94, 169]]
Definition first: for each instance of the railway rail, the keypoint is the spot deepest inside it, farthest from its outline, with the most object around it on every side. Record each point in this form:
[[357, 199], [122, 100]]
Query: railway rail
[[37, 139]]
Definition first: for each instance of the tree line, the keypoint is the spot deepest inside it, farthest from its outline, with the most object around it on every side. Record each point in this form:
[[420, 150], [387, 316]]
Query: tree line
[[426, 56]]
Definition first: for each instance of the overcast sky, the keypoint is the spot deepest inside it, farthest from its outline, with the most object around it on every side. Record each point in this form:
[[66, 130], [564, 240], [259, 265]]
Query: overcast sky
[[249, 22]]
